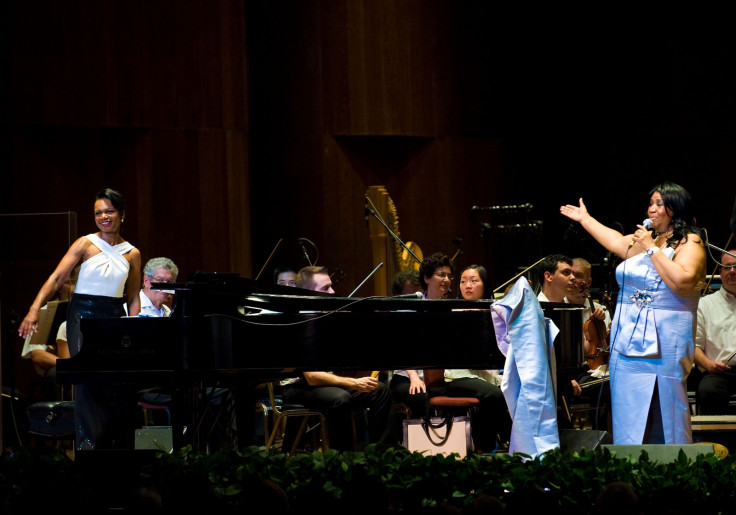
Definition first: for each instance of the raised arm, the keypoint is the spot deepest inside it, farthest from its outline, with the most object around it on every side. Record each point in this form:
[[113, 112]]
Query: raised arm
[[611, 239]]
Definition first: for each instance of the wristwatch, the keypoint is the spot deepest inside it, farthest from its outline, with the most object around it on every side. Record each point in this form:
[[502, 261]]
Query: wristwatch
[[652, 251]]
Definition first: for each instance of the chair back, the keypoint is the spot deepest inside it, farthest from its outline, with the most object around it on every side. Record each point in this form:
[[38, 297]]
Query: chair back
[[434, 379]]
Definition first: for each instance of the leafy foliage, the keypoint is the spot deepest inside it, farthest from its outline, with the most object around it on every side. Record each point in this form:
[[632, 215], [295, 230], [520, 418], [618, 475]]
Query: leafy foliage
[[376, 481]]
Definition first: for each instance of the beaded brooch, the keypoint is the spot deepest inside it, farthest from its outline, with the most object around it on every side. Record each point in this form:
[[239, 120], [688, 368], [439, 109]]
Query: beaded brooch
[[642, 297]]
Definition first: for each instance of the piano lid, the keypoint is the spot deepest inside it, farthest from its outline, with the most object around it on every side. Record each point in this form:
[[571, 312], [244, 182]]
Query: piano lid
[[231, 294]]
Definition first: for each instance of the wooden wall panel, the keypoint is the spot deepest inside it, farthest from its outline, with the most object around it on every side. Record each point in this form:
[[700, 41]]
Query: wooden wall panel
[[130, 63], [231, 124], [382, 67], [150, 98]]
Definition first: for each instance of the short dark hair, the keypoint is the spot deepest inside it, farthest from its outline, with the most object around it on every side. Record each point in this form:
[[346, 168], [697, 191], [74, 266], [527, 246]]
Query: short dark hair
[[549, 263], [113, 196], [411, 275], [281, 269], [432, 263]]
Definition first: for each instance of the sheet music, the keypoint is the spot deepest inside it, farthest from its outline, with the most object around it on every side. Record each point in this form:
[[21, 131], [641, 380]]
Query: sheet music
[[45, 323]]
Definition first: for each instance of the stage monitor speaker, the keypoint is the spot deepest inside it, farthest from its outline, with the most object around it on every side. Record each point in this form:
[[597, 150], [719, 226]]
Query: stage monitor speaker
[[573, 440], [155, 437], [663, 453]]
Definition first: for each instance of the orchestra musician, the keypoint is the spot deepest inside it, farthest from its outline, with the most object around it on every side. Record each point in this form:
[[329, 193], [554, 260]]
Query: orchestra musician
[[336, 395], [285, 275], [652, 335], [44, 356], [154, 304], [596, 323], [715, 342], [491, 424], [407, 386], [406, 281], [558, 280]]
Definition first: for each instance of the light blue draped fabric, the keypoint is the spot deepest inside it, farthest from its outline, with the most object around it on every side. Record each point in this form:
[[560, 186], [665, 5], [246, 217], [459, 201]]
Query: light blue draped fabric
[[525, 337]]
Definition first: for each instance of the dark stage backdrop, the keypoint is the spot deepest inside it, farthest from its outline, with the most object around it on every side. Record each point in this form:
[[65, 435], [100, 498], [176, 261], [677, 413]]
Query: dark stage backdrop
[[233, 125]]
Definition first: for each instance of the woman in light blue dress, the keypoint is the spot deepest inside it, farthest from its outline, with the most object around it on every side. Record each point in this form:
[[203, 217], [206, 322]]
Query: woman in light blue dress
[[652, 334]]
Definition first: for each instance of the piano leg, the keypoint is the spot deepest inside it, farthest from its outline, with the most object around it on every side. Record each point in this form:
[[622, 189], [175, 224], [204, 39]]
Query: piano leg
[[245, 399], [181, 426]]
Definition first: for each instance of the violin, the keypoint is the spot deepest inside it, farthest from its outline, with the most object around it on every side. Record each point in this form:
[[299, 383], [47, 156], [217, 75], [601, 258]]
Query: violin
[[597, 334]]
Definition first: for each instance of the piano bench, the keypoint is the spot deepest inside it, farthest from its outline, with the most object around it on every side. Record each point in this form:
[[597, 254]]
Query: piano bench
[[53, 419]]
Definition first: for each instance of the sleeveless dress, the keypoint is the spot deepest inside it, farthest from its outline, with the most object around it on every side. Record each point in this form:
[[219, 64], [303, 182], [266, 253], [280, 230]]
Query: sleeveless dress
[[652, 345], [100, 288], [99, 293]]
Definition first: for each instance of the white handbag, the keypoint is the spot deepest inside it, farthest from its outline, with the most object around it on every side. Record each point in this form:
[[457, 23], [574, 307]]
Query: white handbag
[[438, 435]]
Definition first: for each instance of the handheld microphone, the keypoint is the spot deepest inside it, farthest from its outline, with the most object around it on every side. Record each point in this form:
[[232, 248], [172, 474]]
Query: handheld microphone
[[647, 223], [415, 295]]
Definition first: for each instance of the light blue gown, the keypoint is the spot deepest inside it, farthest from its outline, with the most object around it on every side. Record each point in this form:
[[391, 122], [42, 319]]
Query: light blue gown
[[652, 344]]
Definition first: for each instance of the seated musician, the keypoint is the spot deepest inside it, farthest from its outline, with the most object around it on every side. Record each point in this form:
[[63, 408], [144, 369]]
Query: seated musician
[[715, 342], [285, 275], [559, 284], [406, 282], [491, 425], [44, 356], [582, 271], [157, 303], [44, 362], [335, 395], [407, 386]]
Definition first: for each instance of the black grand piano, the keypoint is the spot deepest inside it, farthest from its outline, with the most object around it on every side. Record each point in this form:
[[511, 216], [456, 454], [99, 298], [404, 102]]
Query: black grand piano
[[232, 332]]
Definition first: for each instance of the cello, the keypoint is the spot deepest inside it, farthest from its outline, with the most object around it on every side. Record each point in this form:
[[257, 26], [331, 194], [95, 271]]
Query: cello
[[597, 334]]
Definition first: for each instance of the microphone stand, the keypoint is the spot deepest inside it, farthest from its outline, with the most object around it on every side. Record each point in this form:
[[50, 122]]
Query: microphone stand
[[393, 235], [270, 257], [517, 275], [718, 248], [707, 286], [367, 277]]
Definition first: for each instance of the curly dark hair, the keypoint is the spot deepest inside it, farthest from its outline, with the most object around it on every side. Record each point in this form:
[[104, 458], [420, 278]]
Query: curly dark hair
[[432, 263]]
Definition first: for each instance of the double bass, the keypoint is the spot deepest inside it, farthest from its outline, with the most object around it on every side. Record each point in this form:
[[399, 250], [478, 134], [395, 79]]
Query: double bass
[[597, 333]]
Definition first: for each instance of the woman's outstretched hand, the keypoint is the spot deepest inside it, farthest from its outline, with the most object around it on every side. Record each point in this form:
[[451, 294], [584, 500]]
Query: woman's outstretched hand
[[576, 213]]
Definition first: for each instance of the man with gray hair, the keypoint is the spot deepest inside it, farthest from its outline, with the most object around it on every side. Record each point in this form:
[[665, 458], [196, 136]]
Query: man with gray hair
[[157, 303]]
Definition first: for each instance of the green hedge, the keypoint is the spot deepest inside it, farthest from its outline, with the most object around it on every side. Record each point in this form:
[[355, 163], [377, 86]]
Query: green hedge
[[372, 481]]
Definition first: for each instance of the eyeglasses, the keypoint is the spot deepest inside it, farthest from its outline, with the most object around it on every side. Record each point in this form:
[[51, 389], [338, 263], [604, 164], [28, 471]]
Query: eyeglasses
[[160, 280], [442, 275]]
